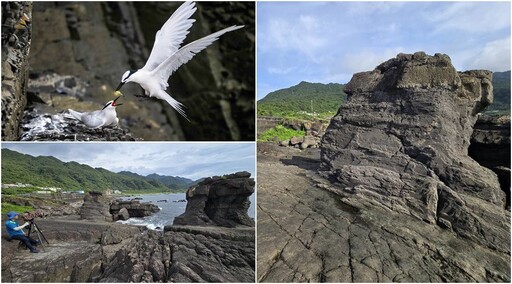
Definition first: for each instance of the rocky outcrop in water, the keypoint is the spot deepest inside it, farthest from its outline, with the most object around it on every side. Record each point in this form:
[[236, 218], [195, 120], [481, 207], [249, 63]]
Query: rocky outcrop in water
[[219, 201], [134, 209], [16, 41]]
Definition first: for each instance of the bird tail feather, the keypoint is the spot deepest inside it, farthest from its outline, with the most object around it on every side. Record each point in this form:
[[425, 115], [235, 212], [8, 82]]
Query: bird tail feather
[[75, 114], [174, 103]]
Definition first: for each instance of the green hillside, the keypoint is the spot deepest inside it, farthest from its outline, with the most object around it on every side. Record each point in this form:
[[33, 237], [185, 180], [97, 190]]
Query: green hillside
[[501, 86], [49, 171], [304, 97], [172, 182]]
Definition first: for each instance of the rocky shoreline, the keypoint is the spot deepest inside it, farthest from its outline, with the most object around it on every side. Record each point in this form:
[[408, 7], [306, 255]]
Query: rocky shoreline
[[95, 251], [86, 245]]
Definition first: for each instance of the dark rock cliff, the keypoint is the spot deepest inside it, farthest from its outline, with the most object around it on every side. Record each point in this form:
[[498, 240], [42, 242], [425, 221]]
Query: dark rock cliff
[[219, 201], [403, 138], [16, 41]]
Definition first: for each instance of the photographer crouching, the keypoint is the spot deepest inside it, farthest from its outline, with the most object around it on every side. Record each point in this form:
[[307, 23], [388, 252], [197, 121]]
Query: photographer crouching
[[16, 232]]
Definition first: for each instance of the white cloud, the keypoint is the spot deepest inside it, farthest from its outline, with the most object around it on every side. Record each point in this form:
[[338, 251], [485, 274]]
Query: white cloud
[[367, 60], [494, 56], [473, 17], [279, 70]]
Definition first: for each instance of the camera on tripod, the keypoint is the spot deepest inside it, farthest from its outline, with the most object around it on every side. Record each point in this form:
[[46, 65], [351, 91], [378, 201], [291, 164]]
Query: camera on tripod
[[33, 227], [30, 216]]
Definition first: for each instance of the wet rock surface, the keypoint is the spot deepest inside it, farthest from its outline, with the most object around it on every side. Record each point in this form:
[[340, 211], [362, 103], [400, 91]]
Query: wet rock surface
[[219, 201], [312, 231]]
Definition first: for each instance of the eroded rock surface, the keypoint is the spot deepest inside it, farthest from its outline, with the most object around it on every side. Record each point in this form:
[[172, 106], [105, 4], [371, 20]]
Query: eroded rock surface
[[310, 231], [219, 201], [185, 254], [99, 251], [96, 207]]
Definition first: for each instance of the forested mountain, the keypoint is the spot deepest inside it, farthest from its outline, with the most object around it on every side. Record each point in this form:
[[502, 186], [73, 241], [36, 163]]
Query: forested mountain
[[307, 97], [51, 172]]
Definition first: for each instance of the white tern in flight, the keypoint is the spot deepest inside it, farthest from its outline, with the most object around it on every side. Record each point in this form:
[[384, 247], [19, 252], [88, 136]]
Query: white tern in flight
[[106, 116], [167, 55]]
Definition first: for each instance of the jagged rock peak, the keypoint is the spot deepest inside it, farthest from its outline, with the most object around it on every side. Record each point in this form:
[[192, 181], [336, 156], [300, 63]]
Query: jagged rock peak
[[422, 71]]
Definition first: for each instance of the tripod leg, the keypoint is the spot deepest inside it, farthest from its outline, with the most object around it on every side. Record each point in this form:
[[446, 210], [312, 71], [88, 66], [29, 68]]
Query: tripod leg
[[41, 234]]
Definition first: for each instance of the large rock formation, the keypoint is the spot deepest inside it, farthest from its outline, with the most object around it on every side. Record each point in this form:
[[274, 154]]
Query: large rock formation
[[221, 201], [96, 207], [133, 207], [16, 38], [403, 137]]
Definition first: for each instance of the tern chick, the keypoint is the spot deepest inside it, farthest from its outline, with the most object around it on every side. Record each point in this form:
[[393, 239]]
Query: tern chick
[[106, 116], [167, 55]]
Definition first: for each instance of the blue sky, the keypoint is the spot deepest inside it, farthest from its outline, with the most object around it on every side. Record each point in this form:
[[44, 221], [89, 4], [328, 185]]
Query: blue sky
[[190, 160], [329, 41]]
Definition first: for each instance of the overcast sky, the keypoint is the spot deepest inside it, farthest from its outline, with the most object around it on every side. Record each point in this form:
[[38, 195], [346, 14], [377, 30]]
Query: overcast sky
[[190, 160], [329, 41]]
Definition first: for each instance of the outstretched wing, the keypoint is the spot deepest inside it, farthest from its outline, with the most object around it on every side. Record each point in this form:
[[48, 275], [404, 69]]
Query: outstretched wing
[[169, 38], [184, 54]]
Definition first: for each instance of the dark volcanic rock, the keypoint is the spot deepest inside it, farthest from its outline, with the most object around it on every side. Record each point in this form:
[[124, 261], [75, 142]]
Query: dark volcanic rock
[[185, 254], [16, 41], [133, 207], [403, 137], [221, 201], [96, 207]]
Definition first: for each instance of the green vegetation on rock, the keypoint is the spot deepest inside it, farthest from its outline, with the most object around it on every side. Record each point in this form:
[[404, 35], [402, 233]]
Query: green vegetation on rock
[[281, 133], [305, 98], [7, 207], [51, 172]]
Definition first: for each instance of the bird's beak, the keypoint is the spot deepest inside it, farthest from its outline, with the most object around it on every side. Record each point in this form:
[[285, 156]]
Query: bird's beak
[[119, 86], [114, 102]]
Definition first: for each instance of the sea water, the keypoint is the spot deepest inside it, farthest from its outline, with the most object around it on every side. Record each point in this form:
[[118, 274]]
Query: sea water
[[169, 208]]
